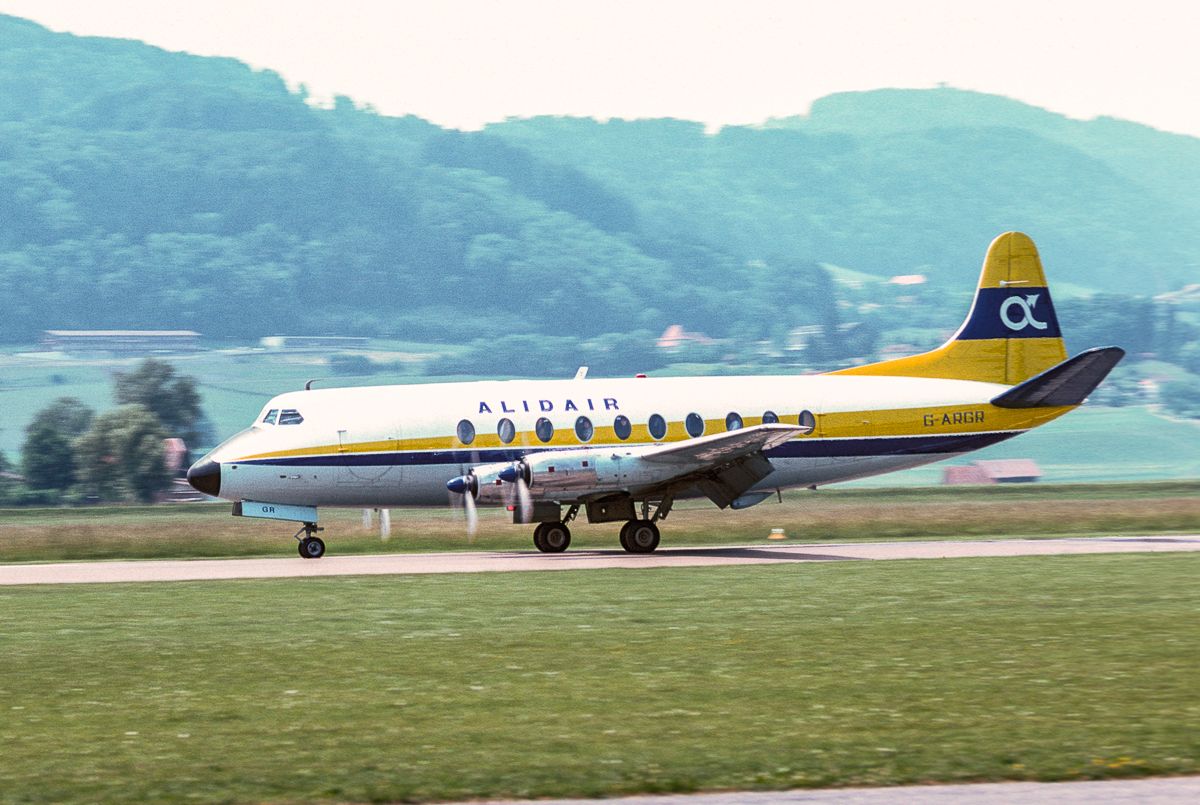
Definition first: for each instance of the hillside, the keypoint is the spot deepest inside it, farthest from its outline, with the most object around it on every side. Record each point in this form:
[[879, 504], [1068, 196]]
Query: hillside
[[142, 188]]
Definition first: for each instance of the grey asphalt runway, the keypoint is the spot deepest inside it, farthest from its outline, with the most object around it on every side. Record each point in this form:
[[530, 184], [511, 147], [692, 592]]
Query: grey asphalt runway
[[496, 562], [1155, 791]]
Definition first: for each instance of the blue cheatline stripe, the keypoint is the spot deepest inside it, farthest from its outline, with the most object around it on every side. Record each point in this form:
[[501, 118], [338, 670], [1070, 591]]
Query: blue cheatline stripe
[[1017, 311], [797, 448]]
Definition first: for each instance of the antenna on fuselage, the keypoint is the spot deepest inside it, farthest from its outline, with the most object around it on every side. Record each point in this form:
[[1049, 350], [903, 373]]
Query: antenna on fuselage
[[308, 385], [582, 373]]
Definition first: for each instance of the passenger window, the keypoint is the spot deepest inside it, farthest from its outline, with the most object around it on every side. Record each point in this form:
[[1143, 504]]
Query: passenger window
[[733, 421], [544, 429], [657, 426], [770, 418], [466, 431], [584, 429], [506, 430], [622, 427], [269, 419], [694, 424], [807, 422]]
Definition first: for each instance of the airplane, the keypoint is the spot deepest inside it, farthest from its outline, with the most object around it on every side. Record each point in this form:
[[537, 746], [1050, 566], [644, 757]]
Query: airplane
[[625, 450]]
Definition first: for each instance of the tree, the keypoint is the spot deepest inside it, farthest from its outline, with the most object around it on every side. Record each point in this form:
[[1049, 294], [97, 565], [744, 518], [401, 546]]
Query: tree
[[8, 484], [47, 455], [1182, 397], [172, 398], [122, 456], [67, 414]]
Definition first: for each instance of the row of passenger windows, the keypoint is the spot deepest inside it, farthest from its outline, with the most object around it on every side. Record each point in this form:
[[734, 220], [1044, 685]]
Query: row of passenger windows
[[623, 428], [288, 416]]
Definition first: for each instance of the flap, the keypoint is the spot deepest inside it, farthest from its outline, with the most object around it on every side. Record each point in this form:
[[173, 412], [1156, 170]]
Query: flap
[[721, 448], [1068, 383]]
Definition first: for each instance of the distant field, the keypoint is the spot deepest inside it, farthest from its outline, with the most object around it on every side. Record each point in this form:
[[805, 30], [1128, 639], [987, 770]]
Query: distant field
[[194, 530], [601, 683]]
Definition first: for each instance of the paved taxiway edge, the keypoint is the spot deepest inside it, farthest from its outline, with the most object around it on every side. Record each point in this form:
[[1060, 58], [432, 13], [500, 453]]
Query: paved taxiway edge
[[1152, 791], [515, 561]]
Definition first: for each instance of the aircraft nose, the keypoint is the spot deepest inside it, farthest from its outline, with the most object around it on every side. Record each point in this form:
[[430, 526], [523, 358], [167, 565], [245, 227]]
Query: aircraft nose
[[205, 476]]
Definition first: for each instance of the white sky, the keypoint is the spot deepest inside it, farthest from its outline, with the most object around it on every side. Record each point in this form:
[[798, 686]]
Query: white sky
[[462, 64]]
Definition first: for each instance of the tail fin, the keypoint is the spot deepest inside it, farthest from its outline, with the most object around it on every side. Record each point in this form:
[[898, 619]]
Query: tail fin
[[1011, 333]]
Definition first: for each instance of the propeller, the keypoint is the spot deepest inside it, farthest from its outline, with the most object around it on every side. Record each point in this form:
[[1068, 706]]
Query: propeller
[[467, 486], [518, 474]]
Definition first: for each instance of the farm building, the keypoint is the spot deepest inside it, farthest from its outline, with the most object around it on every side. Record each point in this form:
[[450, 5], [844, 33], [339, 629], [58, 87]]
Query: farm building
[[121, 342], [996, 471], [314, 342]]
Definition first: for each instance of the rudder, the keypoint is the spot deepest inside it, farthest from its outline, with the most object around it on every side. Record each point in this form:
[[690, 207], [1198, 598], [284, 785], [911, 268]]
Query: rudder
[[1010, 334]]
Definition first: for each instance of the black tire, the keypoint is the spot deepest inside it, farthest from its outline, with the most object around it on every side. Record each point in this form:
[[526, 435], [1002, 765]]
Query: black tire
[[556, 538], [641, 536], [625, 535], [312, 548], [537, 537]]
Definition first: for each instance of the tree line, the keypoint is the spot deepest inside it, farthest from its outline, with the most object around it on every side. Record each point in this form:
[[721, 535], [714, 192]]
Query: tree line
[[71, 454]]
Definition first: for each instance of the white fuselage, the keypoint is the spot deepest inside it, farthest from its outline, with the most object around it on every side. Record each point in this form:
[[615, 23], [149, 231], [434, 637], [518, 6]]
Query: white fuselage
[[399, 445]]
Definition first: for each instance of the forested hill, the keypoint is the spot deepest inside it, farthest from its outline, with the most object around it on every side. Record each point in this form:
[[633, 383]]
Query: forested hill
[[141, 188]]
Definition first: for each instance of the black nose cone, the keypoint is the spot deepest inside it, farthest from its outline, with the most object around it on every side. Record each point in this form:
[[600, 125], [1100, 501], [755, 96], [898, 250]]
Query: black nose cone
[[205, 476]]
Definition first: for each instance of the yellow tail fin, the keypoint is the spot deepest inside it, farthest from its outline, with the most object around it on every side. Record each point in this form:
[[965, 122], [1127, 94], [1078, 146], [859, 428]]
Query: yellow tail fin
[[1011, 333]]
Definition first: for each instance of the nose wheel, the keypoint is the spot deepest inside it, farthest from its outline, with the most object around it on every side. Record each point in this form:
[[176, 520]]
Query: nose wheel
[[310, 546]]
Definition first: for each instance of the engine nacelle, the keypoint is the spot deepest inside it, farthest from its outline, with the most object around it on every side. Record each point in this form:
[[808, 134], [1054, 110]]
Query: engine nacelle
[[566, 473], [488, 486]]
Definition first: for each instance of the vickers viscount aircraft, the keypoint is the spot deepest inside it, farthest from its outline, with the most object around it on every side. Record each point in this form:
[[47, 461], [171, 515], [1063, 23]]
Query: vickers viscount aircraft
[[624, 450]]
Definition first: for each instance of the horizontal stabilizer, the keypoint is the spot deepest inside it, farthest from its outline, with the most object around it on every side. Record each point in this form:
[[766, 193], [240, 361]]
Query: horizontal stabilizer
[[1068, 383]]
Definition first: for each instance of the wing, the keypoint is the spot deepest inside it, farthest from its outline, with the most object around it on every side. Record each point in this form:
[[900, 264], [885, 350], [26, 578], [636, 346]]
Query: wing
[[723, 466], [723, 446]]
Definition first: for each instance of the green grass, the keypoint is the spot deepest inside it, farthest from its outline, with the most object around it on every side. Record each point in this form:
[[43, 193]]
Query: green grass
[[603, 682], [1031, 510]]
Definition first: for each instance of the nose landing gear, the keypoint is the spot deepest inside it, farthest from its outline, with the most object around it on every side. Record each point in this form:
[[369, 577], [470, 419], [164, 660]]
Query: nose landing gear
[[310, 546]]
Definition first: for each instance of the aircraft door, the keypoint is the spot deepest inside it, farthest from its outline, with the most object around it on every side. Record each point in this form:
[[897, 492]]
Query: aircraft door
[[367, 458]]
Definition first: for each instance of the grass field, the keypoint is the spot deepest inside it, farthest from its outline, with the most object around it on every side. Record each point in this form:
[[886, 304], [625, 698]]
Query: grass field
[[602, 682], [193, 530]]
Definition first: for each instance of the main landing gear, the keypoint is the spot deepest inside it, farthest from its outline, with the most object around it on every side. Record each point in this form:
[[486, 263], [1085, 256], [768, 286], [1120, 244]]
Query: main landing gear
[[310, 546], [639, 536], [552, 537]]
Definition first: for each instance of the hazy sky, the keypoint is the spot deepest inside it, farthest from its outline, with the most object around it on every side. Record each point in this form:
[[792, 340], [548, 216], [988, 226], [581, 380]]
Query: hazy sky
[[465, 63]]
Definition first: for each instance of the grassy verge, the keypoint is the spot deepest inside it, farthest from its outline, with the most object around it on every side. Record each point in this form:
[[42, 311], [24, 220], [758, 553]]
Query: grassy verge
[[601, 683], [828, 515]]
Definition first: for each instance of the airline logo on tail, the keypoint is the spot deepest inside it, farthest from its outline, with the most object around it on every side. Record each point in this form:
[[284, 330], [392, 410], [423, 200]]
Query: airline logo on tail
[[1011, 313], [1026, 304]]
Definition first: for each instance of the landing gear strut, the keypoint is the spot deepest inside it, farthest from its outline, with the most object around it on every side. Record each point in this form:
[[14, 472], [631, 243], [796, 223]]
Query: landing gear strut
[[641, 536], [310, 546], [552, 537]]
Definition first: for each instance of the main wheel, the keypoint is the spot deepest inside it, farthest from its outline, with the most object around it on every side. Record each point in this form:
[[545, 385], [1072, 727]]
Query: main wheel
[[552, 537], [311, 548], [625, 535], [639, 536]]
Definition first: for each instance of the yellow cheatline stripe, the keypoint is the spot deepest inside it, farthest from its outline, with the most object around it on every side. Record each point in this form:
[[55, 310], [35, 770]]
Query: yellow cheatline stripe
[[932, 420]]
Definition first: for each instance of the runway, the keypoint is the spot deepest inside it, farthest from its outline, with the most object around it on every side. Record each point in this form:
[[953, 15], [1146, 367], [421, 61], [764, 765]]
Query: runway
[[1153, 791], [515, 561]]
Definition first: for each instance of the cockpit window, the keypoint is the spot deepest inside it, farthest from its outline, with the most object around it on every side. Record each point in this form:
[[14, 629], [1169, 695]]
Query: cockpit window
[[290, 416], [269, 419]]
